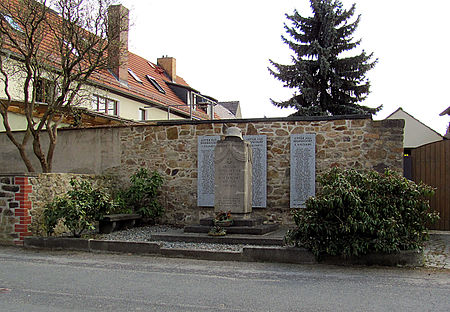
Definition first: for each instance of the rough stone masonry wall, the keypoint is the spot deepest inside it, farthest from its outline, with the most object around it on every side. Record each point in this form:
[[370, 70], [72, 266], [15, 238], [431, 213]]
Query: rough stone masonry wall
[[23, 197], [171, 149]]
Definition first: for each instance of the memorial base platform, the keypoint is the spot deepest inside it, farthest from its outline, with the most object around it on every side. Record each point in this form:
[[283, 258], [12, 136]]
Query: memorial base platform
[[250, 226]]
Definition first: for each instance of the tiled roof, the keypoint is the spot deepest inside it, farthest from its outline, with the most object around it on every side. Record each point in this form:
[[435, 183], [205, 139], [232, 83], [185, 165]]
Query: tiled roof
[[144, 92], [232, 106], [223, 112]]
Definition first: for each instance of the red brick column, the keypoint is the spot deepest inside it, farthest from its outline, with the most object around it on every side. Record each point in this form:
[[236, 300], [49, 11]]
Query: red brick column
[[22, 213]]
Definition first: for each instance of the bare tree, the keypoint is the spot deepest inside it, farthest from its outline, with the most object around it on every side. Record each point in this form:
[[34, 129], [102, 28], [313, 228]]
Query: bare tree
[[50, 50]]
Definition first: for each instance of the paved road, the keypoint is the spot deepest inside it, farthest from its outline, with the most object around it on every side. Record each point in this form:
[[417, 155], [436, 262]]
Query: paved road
[[71, 281]]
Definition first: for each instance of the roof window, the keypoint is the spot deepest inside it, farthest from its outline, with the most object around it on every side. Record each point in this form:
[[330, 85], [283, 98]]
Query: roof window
[[134, 76], [151, 65], [155, 84], [71, 48], [12, 22]]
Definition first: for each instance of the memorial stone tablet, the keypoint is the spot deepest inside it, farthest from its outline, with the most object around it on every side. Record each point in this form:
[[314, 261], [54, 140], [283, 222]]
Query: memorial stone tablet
[[233, 174], [303, 168], [205, 180], [259, 176]]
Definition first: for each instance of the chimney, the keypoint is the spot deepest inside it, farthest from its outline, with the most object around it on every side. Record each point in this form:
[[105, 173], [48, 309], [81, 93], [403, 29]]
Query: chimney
[[169, 64], [118, 24]]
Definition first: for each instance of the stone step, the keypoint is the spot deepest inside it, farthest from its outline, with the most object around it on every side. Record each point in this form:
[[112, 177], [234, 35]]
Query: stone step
[[236, 222], [250, 230]]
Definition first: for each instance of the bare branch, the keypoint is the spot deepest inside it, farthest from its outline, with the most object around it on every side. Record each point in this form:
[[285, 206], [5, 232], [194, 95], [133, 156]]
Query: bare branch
[[56, 47]]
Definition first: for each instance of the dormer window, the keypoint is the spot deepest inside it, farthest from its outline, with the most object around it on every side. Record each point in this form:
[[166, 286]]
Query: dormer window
[[155, 84], [12, 23], [134, 76]]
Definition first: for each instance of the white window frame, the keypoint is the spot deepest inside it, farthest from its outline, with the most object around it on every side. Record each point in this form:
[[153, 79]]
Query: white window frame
[[143, 114], [96, 105], [155, 84]]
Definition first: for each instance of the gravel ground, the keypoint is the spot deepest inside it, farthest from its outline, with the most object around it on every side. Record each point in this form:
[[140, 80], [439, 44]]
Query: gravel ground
[[143, 234], [436, 251]]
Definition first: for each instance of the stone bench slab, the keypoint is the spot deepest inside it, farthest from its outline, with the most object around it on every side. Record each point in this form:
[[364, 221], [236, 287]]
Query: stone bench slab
[[115, 222]]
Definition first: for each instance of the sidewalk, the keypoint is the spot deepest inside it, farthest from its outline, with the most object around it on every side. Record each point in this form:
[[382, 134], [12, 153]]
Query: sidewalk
[[437, 250]]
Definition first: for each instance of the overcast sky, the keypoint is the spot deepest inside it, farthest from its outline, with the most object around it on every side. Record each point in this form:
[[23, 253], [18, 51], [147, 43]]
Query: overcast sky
[[223, 49]]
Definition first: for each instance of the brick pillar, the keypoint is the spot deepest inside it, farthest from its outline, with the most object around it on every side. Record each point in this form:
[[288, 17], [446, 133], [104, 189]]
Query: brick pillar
[[15, 208], [23, 211]]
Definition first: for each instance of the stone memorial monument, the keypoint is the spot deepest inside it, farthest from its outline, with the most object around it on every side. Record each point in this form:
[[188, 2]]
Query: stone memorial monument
[[226, 178], [205, 166], [233, 174]]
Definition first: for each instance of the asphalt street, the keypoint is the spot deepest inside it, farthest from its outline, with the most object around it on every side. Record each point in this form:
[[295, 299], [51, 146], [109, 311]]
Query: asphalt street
[[75, 281]]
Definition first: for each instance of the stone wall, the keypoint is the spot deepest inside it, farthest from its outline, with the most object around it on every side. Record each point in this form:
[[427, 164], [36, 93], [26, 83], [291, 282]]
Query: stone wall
[[23, 197], [171, 148]]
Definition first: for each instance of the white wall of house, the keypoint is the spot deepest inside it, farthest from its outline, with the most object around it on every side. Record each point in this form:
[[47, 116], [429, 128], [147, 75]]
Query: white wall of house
[[130, 109], [416, 133], [16, 122], [15, 79], [19, 122]]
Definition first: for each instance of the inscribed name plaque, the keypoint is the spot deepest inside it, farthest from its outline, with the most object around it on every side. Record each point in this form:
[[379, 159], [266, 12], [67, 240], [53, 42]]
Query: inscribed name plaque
[[205, 180], [303, 168], [259, 173]]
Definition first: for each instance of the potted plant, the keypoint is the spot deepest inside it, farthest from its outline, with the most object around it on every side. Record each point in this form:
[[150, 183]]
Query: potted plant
[[223, 219]]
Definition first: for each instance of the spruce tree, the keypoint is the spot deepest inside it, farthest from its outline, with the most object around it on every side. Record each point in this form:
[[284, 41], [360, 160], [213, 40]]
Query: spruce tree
[[328, 80]]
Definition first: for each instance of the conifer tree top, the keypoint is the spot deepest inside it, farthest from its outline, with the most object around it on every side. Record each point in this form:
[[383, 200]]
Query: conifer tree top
[[328, 79]]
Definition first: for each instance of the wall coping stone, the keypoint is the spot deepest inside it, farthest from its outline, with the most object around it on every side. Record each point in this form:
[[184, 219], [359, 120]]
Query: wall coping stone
[[21, 174], [225, 121]]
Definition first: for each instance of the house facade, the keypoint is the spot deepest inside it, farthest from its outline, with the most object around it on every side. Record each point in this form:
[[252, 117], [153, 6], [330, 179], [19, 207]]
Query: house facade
[[131, 88], [416, 132], [415, 135]]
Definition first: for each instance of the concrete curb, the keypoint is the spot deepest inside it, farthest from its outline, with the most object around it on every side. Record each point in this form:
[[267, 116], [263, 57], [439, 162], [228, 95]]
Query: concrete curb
[[123, 247], [402, 258], [193, 238], [276, 254], [202, 254], [57, 243]]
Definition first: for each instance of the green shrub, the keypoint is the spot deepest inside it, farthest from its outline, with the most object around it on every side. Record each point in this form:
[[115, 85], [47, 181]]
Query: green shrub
[[363, 212], [78, 209], [142, 194]]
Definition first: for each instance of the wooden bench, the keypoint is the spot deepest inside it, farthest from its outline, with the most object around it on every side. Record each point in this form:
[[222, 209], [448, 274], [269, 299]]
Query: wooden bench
[[114, 222]]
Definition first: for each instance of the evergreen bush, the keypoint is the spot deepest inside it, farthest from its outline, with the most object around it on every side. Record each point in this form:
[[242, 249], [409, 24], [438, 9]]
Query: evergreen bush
[[142, 194], [78, 209], [357, 213]]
